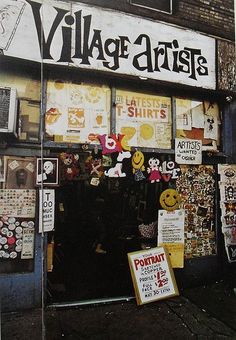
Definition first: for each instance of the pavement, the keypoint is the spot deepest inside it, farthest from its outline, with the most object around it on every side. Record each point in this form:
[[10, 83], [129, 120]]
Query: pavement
[[205, 312]]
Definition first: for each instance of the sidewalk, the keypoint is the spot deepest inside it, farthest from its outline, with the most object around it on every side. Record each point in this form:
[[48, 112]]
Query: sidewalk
[[210, 315]]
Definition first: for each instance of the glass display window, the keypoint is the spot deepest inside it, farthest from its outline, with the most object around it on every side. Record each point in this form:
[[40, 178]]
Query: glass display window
[[198, 120], [77, 112], [144, 119]]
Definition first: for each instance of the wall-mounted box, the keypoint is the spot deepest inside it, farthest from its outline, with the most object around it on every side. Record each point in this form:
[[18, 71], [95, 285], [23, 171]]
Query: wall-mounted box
[[8, 111]]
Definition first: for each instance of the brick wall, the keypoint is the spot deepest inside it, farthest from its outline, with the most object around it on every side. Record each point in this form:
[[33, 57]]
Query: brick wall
[[215, 17]]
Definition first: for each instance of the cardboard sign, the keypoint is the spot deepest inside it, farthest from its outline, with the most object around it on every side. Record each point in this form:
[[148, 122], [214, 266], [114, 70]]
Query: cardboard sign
[[152, 275], [188, 151], [46, 210]]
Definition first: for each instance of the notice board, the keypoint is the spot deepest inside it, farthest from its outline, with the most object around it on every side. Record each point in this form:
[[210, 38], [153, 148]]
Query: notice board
[[152, 275]]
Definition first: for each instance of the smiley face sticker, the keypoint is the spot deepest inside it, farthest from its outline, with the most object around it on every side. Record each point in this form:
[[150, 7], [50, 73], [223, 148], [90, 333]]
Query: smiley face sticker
[[170, 199]]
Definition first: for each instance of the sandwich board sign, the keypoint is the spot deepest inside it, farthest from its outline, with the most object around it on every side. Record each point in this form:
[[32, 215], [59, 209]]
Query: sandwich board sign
[[152, 275]]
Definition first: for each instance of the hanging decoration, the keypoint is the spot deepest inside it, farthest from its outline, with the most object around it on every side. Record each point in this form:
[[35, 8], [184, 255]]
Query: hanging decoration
[[111, 143], [154, 170], [170, 199], [69, 165], [138, 165]]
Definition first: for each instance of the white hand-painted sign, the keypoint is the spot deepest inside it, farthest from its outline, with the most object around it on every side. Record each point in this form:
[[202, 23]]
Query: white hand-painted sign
[[188, 151], [94, 38]]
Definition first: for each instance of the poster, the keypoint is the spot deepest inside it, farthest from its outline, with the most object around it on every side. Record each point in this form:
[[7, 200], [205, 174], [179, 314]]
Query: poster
[[23, 202], [152, 275], [27, 244], [47, 171], [20, 172], [171, 235], [46, 210], [188, 151], [83, 113], [144, 119]]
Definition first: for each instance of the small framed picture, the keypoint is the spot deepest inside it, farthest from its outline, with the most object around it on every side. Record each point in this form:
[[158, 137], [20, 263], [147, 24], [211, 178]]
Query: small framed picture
[[47, 172], [20, 172], [2, 169]]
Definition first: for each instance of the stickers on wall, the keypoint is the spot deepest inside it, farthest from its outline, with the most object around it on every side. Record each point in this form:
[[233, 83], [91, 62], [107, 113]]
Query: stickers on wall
[[196, 187], [227, 185], [13, 240]]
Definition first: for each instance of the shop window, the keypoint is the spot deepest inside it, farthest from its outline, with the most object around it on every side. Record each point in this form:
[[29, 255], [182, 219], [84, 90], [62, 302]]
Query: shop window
[[198, 120], [144, 119], [77, 113], [28, 93], [29, 120]]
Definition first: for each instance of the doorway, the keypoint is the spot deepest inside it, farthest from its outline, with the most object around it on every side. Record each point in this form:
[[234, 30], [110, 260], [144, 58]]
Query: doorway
[[95, 228]]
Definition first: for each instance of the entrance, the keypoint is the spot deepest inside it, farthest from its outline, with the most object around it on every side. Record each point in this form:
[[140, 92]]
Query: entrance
[[95, 228]]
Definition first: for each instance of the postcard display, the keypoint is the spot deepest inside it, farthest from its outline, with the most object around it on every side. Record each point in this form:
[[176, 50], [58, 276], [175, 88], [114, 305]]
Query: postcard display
[[227, 185], [17, 209], [196, 186]]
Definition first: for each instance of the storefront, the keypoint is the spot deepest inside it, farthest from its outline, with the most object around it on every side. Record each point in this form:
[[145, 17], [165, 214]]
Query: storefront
[[101, 122]]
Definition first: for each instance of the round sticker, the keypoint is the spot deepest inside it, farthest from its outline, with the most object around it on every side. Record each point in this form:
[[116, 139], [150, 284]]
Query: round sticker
[[2, 252], [6, 246], [19, 230], [31, 224], [170, 199], [18, 249], [9, 233], [11, 240], [3, 240], [17, 223], [19, 242], [6, 255], [11, 220], [24, 224], [12, 226], [18, 236], [13, 255], [4, 230]]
